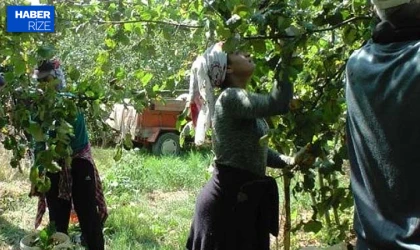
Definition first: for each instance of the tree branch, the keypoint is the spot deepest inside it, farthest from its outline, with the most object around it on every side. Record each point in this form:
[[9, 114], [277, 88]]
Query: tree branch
[[353, 19], [218, 11], [179, 25], [268, 37], [327, 81]]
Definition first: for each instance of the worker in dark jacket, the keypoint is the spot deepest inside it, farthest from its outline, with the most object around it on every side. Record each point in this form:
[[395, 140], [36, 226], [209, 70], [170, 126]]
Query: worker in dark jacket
[[383, 98]]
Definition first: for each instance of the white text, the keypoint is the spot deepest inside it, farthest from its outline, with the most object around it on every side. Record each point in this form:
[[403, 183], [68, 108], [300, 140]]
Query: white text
[[33, 14], [39, 25]]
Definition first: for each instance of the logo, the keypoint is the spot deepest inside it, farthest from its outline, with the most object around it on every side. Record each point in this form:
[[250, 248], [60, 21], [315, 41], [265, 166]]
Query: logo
[[30, 19]]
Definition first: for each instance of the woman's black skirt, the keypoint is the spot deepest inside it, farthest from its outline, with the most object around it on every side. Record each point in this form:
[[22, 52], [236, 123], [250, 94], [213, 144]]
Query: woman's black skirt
[[235, 210]]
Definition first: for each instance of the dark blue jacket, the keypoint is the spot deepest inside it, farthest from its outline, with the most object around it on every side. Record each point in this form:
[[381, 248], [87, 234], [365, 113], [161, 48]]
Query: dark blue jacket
[[383, 127]]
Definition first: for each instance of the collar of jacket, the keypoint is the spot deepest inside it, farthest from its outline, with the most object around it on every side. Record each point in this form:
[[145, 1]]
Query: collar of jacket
[[385, 33]]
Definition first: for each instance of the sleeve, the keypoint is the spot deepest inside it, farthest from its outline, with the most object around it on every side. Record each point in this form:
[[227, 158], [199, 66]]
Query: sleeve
[[2, 81], [276, 160], [242, 104], [38, 147]]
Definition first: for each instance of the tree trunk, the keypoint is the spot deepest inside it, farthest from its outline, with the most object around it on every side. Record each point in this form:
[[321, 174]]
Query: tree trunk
[[287, 204], [327, 213]]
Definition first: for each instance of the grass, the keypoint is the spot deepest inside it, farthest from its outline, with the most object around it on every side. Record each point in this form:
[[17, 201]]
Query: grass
[[150, 200], [140, 172]]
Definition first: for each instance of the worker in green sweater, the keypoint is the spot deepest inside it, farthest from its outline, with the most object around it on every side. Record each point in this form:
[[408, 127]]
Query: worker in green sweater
[[238, 208], [77, 186]]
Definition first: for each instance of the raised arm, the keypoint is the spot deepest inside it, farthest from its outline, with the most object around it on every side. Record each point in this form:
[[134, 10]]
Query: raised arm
[[242, 104], [276, 160]]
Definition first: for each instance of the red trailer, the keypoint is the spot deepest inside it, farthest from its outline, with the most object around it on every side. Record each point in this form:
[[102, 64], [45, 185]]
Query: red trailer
[[154, 127]]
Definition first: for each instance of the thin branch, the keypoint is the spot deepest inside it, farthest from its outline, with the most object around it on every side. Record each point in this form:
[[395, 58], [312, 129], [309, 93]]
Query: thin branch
[[217, 11], [350, 20], [321, 88], [179, 25], [268, 37], [353, 19]]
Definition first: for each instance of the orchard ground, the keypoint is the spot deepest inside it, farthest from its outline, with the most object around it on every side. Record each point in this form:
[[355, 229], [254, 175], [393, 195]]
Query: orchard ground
[[150, 199]]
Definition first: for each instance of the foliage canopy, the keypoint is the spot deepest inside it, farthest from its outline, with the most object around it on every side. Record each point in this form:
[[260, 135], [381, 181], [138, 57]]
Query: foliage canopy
[[117, 49]]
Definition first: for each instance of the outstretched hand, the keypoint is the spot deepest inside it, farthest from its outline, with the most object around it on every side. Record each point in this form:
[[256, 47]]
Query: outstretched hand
[[304, 156]]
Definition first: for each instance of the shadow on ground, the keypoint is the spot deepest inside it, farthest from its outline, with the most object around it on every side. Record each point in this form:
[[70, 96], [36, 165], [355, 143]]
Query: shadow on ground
[[10, 234]]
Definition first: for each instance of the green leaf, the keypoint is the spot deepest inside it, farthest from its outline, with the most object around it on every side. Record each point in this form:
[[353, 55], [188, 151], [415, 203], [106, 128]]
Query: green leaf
[[156, 88], [181, 119], [9, 143], [103, 57], [258, 18], [306, 4], [110, 43], [146, 78], [224, 32], [20, 67], [145, 15], [167, 34], [36, 131], [47, 51], [34, 174], [110, 31], [128, 26], [21, 150], [312, 226], [53, 168], [241, 10], [181, 140], [14, 163], [335, 19], [74, 74], [283, 22], [230, 45], [128, 142], [140, 95], [90, 93], [124, 39], [118, 154], [259, 46], [43, 236], [120, 73], [44, 185], [60, 149], [96, 108], [349, 35]]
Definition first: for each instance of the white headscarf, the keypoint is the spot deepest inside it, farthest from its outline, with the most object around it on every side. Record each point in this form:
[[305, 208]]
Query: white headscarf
[[208, 71], [54, 68]]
